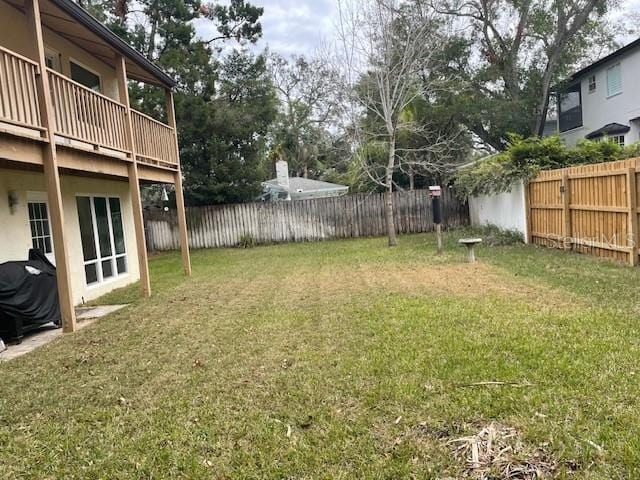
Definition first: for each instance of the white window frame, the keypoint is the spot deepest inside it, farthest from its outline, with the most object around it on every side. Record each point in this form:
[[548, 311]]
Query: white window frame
[[618, 140], [96, 239], [609, 92], [591, 83], [41, 197], [54, 55], [88, 69]]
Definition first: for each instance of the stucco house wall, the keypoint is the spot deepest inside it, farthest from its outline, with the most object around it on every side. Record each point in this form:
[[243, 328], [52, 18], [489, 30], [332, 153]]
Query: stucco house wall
[[598, 109], [15, 35], [15, 233]]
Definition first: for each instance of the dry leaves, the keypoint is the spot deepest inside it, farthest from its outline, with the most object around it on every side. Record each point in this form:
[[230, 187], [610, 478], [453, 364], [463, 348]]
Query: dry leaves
[[497, 451]]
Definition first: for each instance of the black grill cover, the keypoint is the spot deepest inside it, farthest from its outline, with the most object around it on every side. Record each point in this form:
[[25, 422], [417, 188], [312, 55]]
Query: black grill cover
[[28, 295]]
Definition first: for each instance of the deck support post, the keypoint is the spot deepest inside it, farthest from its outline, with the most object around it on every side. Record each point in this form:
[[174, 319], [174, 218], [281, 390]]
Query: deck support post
[[182, 217], [51, 173], [134, 180]]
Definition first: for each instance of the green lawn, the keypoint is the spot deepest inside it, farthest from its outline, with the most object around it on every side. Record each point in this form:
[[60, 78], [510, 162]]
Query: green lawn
[[341, 359]]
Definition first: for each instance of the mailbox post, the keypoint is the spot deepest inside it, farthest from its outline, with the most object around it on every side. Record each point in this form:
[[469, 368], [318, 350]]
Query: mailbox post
[[435, 192]]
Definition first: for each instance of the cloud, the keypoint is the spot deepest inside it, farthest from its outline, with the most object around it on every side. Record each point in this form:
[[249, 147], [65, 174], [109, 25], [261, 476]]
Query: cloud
[[296, 26], [289, 26]]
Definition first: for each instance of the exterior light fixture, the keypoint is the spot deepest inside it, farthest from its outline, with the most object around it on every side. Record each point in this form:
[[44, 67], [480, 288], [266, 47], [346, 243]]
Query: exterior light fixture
[[13, 201]]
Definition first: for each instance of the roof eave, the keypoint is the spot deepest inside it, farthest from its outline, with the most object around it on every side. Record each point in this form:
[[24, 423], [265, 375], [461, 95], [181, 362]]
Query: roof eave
[[621, 51], [87, 20]]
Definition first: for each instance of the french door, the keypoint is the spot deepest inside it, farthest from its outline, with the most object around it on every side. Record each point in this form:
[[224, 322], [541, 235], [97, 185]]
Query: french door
[[102, 234]]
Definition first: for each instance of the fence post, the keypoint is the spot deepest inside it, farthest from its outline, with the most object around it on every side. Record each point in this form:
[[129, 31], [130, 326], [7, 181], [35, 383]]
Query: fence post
[[633, 216], [566, 213], [527, 212]]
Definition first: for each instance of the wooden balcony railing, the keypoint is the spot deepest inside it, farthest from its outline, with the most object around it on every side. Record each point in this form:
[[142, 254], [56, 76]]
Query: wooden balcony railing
[[155, 141], [18, 95], [87, 116]]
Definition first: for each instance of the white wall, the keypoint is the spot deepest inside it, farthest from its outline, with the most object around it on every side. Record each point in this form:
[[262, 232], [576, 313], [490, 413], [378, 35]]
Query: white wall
[[15, 233], [505, 210], [598, 110]]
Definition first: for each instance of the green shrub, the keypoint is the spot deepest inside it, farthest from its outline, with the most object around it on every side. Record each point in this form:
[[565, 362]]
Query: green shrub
[[495, 236], [525, 157], [247, 241]]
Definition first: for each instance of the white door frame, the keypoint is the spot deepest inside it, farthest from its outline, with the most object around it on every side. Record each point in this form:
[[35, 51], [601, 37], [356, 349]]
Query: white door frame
[[41, 197]]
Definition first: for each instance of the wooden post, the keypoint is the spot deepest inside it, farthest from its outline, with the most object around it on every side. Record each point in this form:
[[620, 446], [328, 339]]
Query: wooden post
[[51, 174], [182, 217], [439, 238], [566, 213], [134, 181], [527, 212], [632, 202]]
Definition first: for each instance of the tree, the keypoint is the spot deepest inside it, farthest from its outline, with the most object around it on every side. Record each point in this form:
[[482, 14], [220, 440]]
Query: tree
[[224, 103], [224, 141], [387, 56], [524, 47], [306, 88]]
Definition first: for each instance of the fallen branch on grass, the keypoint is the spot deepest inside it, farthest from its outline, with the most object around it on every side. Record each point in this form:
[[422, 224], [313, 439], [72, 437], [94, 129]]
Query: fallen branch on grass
[[489, 384]]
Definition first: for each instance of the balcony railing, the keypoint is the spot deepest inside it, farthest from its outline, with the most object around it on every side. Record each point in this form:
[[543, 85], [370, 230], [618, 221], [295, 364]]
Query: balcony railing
[[87, 116], [18, 95], [84, 119], [154, 140]]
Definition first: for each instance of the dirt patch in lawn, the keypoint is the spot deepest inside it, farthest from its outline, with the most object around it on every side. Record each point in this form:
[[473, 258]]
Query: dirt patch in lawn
[[477, 280]]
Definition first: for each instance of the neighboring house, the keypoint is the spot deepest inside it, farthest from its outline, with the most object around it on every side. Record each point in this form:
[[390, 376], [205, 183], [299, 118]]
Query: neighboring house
[[603, 100], [297, 188], [72, 151]]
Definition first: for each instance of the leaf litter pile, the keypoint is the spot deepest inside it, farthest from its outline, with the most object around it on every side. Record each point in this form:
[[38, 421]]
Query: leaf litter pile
[[498, 452]]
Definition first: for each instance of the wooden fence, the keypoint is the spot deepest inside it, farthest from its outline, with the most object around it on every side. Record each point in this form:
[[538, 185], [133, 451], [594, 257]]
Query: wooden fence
[[591, 209], [302, 220]]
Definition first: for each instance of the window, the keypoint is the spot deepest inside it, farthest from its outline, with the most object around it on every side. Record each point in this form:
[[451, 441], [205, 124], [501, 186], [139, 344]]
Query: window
[[52, 59], [617, 139], [85, 77], [102, 236], [592, 83], [614, 80], [570, 108], [40, 229]]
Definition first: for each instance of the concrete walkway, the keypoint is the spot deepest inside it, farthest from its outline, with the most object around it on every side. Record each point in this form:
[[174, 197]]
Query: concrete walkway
[[49, 332]]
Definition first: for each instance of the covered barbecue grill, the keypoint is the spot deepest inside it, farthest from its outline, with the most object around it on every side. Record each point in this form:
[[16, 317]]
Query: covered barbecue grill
[[28, 296]]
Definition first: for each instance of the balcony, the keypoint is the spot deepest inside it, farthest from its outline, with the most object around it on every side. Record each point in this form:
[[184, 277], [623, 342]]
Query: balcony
[[84, 119]]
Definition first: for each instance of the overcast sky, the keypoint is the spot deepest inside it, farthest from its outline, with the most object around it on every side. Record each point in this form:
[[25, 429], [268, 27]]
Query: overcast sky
[[296, 26], [300, 26]]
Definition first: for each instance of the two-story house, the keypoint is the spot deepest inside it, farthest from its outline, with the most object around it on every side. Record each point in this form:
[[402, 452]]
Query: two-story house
[[603, 100], [73, 153]]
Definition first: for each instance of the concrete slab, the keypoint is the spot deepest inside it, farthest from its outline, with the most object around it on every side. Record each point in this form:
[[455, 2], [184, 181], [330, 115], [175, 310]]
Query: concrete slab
[[85, 313], [49, 332]]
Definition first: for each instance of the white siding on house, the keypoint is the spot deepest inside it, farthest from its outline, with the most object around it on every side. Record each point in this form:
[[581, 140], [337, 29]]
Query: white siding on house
[[15, 234], [599, 108], [505, 210]]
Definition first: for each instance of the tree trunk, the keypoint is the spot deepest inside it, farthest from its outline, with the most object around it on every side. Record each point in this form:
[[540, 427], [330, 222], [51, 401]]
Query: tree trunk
[[388, 210], [411, 181], [152, 35], [543, 104]]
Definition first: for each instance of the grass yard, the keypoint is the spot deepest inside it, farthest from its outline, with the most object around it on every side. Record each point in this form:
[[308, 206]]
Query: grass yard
[[341, 359]]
